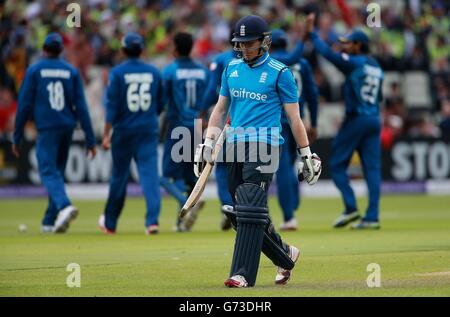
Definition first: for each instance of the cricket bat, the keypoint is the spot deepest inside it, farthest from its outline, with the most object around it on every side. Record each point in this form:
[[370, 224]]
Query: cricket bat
[[201, 182]]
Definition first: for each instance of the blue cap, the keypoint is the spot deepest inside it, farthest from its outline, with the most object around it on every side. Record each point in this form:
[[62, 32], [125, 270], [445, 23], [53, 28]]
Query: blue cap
[[250, 28], [279, 38], [53, 41], [133, 41], [355, 36]]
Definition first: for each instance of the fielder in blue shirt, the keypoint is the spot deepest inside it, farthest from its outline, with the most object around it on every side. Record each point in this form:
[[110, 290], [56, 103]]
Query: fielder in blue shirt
[[133, 103], [287, 184], [185, 82], [361, 128], [52, 95], [254, 91]]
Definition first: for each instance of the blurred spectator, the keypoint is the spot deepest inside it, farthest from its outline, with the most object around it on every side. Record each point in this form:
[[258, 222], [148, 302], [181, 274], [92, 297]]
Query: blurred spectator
[[387, 61], [417, 60], [394, 104], [391, 129], [8, 107], [393, 116], [444, 125], [80, 53], [439, 50], [420, 125]]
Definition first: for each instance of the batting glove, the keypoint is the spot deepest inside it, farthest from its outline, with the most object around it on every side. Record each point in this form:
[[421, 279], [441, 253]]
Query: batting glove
[[203, 155], [309, 167]]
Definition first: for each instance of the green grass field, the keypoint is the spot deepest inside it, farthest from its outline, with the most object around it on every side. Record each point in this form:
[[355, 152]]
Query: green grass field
[[412, 248]]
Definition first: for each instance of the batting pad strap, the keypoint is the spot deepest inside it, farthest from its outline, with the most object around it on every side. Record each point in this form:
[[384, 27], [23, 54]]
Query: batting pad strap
[[275, 249], [249, 194], [252, 218], [254, 215]]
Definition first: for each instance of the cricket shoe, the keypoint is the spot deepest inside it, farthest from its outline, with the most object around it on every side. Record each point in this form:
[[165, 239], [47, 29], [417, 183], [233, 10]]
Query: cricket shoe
[[102, 226], [375, 225], [65, 216], [47, 229], [152, 229], [290, 225], [189, 220], [283, 275], [236, 281], [225, 224], [344, 219]]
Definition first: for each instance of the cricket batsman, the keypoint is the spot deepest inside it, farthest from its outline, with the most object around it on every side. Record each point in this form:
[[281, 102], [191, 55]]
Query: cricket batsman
[[133, 103], [52, 95], [361, 127], [254, 91]]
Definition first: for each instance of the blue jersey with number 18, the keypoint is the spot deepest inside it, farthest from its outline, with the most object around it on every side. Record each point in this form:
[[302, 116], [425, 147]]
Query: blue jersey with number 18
[[134, 96], [52, 94]]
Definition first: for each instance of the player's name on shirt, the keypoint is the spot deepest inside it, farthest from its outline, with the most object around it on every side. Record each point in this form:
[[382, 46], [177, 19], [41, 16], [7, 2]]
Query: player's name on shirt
[[55, 73], [373, 71], [183, 73], [138, 78]]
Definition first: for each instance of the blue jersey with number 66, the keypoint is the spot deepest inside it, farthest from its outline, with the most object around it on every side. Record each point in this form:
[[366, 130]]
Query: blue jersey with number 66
[[134, 96]]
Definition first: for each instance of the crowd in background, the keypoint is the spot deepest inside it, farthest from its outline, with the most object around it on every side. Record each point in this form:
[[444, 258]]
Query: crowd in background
[[414, 36]]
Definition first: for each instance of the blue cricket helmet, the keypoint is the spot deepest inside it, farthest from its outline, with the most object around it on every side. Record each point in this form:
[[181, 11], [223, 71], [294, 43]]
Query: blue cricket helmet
[[133, 42], [279, 39], [250, 28], [53, 43]]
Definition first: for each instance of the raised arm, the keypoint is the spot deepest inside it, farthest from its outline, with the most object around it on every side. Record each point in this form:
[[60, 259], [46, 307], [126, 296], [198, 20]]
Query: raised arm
[[342, 61], [292, 57], [311, 93]]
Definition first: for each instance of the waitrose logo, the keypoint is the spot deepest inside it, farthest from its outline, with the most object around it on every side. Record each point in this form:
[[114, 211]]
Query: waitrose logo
[[243, 93]]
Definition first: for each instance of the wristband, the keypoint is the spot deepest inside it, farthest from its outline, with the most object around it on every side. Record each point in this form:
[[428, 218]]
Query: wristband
[[304, 151], [209, 142]]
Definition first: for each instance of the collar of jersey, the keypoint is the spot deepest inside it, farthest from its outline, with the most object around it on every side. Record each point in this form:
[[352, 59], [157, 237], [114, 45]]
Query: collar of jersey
[[183, 58], [261, 60]]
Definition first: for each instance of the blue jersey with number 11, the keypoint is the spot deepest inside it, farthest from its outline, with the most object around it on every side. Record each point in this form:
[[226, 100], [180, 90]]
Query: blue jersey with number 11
[[184, 85]]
